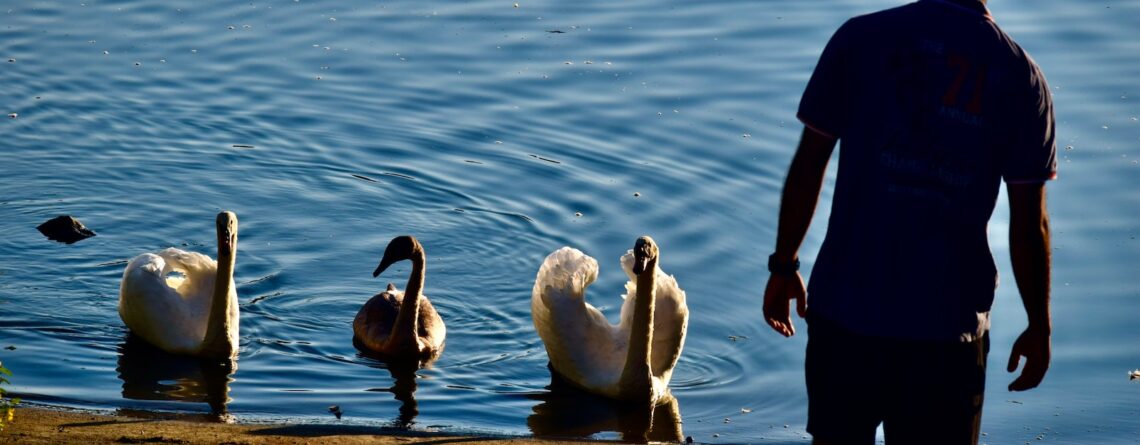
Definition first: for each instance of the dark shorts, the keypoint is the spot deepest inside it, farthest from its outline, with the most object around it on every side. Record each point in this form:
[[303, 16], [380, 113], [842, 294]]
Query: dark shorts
[[922, 392]]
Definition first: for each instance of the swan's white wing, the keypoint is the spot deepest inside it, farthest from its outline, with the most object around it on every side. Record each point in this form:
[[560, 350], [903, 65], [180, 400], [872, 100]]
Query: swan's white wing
[[582, 345], [172, 319], [670, 318], [200, 273]]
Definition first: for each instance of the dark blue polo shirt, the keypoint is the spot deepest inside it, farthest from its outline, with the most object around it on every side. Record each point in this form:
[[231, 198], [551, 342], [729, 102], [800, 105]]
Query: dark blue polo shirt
[[934, 105]]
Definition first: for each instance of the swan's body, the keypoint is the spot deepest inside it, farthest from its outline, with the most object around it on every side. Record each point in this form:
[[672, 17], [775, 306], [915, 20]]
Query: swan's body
[[196, 314], [633, 360], [401, 324]]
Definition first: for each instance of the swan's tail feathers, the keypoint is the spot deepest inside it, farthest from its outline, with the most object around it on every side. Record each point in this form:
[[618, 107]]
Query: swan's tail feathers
[[565, 273]]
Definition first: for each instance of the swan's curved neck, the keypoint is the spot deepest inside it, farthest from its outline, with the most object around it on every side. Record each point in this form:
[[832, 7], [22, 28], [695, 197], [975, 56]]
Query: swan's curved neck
[[217, 343], [636, 377], [406, 326]]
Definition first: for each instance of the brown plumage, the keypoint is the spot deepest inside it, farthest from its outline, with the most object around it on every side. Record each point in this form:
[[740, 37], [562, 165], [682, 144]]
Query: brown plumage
[[399, 324]]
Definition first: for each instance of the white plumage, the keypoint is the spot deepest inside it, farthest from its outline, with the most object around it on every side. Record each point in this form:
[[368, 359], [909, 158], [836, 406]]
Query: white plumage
[[583, 347], [174, 312]]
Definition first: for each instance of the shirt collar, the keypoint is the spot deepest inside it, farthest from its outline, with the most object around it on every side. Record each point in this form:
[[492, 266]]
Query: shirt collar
[[971, 6]]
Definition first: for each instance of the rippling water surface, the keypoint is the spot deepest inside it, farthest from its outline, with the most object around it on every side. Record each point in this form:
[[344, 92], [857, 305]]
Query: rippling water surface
[[496, 133]]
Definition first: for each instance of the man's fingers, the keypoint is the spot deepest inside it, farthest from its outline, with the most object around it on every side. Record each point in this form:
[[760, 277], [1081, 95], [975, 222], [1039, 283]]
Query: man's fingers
[[1014, 358], [784, 328], [1028, 379]]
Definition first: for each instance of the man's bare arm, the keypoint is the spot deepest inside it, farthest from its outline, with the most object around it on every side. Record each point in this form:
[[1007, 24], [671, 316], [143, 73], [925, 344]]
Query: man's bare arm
[[797, 205], [1030, 254]]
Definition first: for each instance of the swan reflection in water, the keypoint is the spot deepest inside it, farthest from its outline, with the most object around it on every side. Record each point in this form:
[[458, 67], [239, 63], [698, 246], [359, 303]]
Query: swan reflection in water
[[566, 411], [404, 384], [149, 373]]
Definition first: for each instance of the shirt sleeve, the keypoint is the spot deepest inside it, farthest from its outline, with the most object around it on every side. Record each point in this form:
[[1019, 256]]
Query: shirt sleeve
[[1030, 151], [823, 105]]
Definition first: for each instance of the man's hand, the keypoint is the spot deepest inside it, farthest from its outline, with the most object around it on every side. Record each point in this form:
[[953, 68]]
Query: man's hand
[[1034, 345], [777, 312]]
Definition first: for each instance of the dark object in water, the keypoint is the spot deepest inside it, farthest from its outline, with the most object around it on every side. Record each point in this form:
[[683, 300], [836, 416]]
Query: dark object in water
[[65, 229]]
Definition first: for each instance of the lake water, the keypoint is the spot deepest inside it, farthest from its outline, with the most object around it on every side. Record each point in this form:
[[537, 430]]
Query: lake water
[[496, 133]]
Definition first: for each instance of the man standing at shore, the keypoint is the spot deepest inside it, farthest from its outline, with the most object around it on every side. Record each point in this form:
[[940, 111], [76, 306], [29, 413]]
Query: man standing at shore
[[935, 106]]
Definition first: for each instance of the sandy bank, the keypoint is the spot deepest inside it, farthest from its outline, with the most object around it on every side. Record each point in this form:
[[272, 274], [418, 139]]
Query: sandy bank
[[38, 425]]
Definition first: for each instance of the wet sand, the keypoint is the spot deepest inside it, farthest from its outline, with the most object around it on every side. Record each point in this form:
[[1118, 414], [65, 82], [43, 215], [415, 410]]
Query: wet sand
[[40, 425]]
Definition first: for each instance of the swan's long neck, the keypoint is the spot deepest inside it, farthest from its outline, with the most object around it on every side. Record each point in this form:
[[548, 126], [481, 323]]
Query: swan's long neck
[[217, 342], [636, 377], [405, 328]]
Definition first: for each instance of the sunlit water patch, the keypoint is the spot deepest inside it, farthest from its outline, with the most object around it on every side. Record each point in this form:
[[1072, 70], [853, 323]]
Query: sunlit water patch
[[495, 134]]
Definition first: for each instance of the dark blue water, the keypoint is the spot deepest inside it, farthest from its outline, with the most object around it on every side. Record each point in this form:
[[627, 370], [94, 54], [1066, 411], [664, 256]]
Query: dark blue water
[[497, 133]]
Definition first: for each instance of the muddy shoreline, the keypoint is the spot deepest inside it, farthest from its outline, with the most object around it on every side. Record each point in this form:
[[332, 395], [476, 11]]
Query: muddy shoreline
[[55, 425]]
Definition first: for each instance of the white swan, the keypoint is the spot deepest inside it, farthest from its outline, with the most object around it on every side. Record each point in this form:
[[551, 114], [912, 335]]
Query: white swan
[[631, 361], [401, 324], [196, 314]]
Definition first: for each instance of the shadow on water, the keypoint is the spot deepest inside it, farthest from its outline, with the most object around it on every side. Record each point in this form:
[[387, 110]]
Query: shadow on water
[[149, 373], [566, 411], [404, 383]]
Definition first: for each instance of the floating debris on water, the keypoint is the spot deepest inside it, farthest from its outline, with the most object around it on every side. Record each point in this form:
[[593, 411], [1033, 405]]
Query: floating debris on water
[[11, 60], [13, 115], [364, 178], [578, 214], [398, 175], [745, 410], [1134, 374], [335, 410], [545, 159], [65, 229], [242, 146], [636, 194], [737, 337]]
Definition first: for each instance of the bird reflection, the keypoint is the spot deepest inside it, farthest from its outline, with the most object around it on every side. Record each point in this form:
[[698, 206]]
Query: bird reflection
[[566, 411], [404, 384], [149, 373]]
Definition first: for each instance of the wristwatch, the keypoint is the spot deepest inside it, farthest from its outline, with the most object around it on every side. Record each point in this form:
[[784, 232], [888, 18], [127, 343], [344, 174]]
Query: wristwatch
[[783, 268]]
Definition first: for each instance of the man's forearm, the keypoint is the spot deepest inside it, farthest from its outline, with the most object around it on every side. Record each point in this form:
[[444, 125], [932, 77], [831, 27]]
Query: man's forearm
[[801, 192], [1030, 252]]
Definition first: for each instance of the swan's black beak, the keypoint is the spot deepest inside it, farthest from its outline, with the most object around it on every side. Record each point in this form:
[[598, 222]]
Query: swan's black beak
[[644, 251], [400, 248], [227, 231], [640, 264], [384, 263]]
